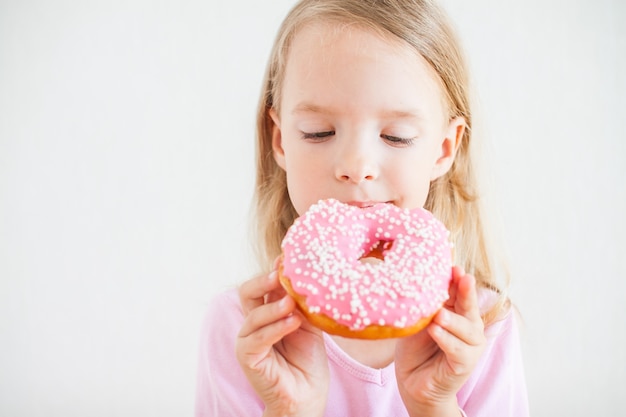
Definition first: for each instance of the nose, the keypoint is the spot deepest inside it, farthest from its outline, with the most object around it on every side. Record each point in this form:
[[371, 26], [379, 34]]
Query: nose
[[356, 165]]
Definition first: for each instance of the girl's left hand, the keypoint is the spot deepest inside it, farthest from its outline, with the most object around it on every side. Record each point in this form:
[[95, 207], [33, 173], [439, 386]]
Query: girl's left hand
[[432, 365]]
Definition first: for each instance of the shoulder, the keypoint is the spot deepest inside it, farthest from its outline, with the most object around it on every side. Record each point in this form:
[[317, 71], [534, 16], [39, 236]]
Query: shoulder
[[222, 320], [225, 299], [223, 314], [222, 388], [501, 329], [495, 307]]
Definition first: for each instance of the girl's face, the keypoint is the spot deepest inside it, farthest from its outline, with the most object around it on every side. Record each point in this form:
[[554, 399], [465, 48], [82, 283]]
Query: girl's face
[[362, 119]]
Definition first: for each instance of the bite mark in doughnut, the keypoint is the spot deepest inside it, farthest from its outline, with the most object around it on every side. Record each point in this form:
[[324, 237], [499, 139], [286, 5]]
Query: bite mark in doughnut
[[370, 273]]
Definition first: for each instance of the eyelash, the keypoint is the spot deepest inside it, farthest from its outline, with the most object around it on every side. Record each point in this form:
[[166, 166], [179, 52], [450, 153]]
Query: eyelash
[[398, 141], [318, 136], [321, 136]]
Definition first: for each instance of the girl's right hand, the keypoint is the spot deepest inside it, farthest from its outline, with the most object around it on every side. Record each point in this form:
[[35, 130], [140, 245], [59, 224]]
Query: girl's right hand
[[282, 355]]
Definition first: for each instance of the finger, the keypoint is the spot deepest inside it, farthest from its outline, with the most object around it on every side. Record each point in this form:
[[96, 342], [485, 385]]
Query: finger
[[457, 353], [275, 294], [279, 292], [470, 332], [277, 261], [466, 303], [461, 357], [252, 292], [252, 348], [453, 287], [267, 314]]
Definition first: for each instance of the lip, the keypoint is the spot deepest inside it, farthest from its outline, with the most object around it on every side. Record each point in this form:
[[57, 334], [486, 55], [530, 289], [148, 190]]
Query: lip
[[365, 204]]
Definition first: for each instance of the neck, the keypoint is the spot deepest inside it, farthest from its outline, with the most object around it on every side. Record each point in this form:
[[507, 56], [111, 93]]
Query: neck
[[373, 353]]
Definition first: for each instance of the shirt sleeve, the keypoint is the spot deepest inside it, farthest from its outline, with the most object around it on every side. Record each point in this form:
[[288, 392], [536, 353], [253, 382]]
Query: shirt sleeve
[[222, 388], [497, 387]]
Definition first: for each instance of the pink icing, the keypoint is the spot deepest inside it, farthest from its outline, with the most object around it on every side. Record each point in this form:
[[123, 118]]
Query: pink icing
[[322, 252]]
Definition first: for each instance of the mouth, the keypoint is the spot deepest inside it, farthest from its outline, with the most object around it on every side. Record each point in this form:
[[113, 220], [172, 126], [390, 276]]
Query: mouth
[[366, 204]]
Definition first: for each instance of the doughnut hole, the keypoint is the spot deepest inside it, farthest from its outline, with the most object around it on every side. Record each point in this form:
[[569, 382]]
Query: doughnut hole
[[377, 254]]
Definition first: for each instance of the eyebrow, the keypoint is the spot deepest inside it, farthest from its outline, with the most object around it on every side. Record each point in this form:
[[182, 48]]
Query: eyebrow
[[306, 107]]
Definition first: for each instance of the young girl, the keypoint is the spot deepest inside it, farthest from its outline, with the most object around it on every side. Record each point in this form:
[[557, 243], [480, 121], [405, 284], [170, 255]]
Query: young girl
[[364, 101]]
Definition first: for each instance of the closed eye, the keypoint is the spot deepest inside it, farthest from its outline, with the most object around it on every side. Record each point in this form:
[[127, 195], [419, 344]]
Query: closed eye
[[398, 141], [317, 136]]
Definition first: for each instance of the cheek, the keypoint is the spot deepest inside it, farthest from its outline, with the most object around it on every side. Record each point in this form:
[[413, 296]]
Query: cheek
[[304, 178], [301, 163], [412, 180], [304, 159]]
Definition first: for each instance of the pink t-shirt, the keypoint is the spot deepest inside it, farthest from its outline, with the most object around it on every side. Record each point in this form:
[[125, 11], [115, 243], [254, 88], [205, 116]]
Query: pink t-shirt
[[496, 387]]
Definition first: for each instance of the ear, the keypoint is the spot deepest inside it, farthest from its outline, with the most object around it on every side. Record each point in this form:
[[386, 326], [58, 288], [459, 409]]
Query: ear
[[277, 146], [449, 146]]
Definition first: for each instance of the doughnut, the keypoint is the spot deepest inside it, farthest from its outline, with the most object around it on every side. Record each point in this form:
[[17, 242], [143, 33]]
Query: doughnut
[[368, 273]]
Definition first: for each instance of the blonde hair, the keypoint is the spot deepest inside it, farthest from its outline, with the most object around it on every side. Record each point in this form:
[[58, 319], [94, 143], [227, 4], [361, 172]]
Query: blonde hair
[[453, 198]]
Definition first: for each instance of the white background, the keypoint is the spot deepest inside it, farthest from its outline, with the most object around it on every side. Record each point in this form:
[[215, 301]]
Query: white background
[[126, 172]]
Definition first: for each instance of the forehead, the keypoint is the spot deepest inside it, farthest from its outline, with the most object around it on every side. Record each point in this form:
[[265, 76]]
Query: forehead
[[315, 38], [355, 64], [329, 31]]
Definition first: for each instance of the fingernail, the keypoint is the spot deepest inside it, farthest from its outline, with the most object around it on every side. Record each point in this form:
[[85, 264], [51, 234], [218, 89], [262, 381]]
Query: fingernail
[[272, 276], [277, 262], [472, 280], [283, 302], [444, 317]]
